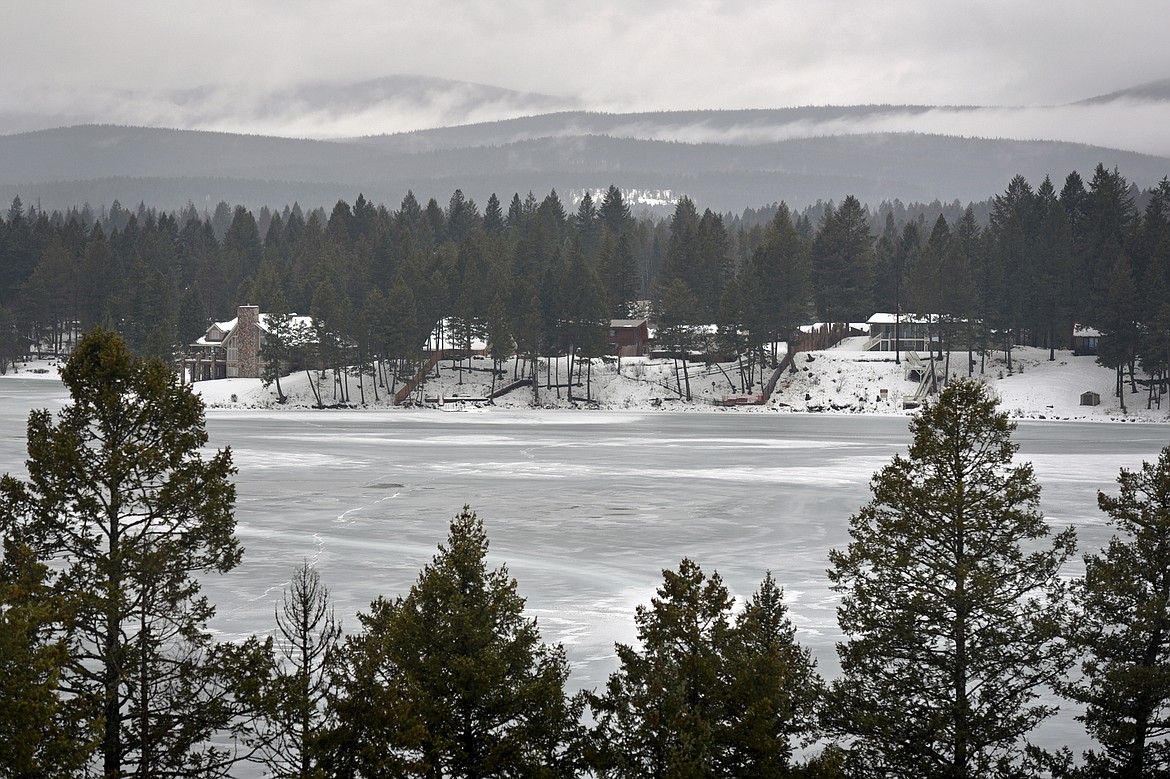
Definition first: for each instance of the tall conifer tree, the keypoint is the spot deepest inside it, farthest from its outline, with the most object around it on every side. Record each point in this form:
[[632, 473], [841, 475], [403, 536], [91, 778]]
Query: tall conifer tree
[[122, 504], [951, 624], [453, 680], [1122, 628]]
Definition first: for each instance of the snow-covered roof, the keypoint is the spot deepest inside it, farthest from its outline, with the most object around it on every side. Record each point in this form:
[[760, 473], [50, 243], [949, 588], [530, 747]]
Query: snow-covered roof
[[295, 322], [299, 324], [1084, 331], [627, 322], [881, 318], [820, 326], [217, 333]]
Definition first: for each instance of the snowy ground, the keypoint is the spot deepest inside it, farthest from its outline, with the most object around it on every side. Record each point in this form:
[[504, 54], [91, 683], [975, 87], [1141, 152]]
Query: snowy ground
[[839, 380]]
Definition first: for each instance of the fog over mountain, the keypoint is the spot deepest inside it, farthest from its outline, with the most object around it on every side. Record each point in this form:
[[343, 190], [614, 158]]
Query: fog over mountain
[[311, 109], [484, 139]]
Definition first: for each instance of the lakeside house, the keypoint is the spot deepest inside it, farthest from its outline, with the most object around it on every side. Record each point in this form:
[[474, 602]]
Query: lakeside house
[[1084, 339], [234, 349], [915, 333], [629, 337]]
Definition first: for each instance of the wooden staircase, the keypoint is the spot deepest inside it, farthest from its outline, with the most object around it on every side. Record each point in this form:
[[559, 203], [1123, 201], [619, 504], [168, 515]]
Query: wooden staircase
[[410, 386]]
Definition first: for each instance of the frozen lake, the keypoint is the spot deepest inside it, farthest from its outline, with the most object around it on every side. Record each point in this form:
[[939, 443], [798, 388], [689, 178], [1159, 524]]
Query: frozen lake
[[585, 507]]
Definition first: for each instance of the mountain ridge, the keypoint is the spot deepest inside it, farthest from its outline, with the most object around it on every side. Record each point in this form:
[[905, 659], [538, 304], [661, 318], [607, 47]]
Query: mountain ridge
[[177, 166], [725, 159]]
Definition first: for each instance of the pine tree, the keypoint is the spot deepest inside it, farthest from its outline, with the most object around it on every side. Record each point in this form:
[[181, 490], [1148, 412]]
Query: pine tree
[[493, 216], [127, 514], [296, 696], [328, 323], [41, 733], [660, 709], [614, 212], [277, 342], [11, 343], [1117, 321], [453, 680], [887, 271], [772, 690], [586, 227], [1109, 214], [842, 264], [682, 262], [957, 299], [528, 328], [499, 336], [704, 696], [951, 624], [1054, 265], [242, 248], [462, 217], [781, 267], [405, 335], [677, 330], [1014, 219], [1122, 628], [1154, 339]]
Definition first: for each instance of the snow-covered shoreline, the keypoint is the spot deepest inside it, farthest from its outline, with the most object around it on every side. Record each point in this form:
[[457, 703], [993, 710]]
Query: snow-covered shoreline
[[841, 380]]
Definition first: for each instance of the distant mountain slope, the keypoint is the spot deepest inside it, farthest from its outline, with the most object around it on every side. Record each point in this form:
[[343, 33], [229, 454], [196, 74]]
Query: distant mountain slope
[[1154, 91], [740, 127], [167, 168], [97, 151]]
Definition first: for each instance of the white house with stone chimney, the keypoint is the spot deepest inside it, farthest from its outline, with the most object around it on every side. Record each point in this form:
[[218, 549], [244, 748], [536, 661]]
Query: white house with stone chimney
[[232, 349]]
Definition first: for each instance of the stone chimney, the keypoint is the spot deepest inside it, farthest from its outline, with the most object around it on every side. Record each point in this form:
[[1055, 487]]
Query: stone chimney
[[248, 342]]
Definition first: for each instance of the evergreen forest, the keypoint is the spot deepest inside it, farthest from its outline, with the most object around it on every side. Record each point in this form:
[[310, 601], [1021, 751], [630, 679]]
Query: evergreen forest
[[544, 278]]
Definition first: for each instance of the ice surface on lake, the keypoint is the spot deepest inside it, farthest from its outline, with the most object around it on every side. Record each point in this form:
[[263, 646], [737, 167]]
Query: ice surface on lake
[[585, 508]]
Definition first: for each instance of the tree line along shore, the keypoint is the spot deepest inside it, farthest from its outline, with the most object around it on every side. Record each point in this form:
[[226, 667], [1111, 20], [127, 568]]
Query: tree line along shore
[[536, 278]]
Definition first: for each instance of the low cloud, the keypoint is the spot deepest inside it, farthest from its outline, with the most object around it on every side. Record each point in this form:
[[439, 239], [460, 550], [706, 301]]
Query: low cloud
[[1123, 124], [404, 104], [320, 111]]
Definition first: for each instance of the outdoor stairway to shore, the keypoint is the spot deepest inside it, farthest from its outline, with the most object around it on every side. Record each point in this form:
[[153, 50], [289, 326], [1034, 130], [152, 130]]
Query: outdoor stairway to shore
[[927, 383], [410, 386]]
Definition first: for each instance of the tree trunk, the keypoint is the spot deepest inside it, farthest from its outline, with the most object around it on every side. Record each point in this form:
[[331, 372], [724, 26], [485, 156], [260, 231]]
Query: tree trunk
[[145, 768], [315, 387], [112, 649]]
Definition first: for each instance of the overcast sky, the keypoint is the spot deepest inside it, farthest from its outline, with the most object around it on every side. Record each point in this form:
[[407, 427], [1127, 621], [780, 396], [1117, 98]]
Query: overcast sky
[[617, 55]]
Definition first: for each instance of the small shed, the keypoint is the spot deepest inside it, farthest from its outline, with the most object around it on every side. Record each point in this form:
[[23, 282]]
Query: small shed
[[1090, 399]]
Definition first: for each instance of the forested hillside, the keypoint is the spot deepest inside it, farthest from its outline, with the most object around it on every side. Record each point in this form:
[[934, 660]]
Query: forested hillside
[[727, 161], [1020, 269]]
